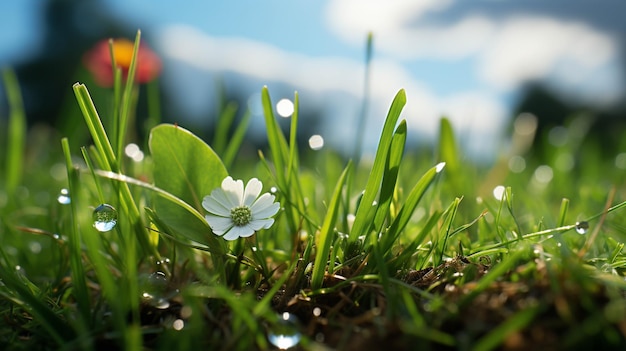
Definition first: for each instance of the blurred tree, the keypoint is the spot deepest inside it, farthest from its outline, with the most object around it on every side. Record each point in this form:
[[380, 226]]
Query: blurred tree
[[70, 28], [605, 125]]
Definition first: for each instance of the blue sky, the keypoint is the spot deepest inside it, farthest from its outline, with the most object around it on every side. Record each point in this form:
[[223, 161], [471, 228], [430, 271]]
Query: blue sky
[[464, 59]]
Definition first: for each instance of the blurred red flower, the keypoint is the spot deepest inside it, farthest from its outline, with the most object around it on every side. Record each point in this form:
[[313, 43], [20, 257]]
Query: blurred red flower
[[98, 61]]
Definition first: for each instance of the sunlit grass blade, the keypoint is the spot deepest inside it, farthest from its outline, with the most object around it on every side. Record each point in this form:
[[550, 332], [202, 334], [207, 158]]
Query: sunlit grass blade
[[390, 175], [325, 237], [128, 103], [111, 163], [81, 291], [406, 211], [442, 240], [16, 138], [448, 150], [363, 216], [236, 140]]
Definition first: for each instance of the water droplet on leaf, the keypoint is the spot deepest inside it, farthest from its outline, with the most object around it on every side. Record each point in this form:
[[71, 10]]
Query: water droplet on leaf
[[64, 197], [284, 334], [104, 218], [582, 227]]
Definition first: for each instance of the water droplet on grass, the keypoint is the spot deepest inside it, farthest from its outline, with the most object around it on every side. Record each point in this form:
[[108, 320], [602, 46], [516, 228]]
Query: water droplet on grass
[[284, 334], [104, 218], [582, 227], [439, 167], [64, 197], [155, 290]]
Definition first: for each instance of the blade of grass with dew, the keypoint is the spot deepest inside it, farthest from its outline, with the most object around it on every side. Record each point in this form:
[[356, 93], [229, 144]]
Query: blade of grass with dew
[[110, 163], [325, 237], [186, 166], [390, 176], [79, 283], [16, 138], [363, 216], [406, 211]]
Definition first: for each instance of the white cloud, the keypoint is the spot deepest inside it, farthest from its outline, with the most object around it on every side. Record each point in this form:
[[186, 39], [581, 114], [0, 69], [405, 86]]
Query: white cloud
[[507, 51], [392, 23], [334, 79]]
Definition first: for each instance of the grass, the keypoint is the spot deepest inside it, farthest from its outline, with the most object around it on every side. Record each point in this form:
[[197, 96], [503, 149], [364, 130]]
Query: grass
[[410, 251]]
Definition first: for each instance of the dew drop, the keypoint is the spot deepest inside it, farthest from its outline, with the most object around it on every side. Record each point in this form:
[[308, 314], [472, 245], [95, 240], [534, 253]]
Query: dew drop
[[284, 334], [439, 167], [104, 218], [582, 227], [155, 290], [64, 197]]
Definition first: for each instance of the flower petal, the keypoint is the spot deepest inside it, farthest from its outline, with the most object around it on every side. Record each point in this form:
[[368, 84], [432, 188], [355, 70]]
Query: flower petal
[[220, 196], [214, 206], [264, 206], [233, 189], [219, 225], [258, 224], [252, 191], [237, 232]]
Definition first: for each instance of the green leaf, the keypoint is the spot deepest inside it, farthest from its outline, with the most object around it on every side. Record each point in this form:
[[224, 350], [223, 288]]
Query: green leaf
[[187, 167]]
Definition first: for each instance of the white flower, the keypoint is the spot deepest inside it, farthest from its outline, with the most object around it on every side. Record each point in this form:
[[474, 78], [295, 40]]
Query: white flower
[[236, 212]]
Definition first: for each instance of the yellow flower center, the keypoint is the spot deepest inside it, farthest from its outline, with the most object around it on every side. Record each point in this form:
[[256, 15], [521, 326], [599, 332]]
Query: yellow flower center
[[123, 52]]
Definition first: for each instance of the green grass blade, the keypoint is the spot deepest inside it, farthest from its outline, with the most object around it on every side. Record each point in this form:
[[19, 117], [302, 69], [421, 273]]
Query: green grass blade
[[236, 140], [222, 129], [406, 211], [514, 323], [58, 329], [390, 175], [442, 240], [325, 237], [448, 150], [563, 212], [128, 101], [16, 138], [79, 282], [363, 216]]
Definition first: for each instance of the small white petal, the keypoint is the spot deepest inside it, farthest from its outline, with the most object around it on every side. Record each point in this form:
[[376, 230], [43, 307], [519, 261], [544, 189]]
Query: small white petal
[[220, 196], [252, 191], [258, 224], [236, 232], [264, 206], [214, 206], [267, 212], [219, 225], [233, 189]]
